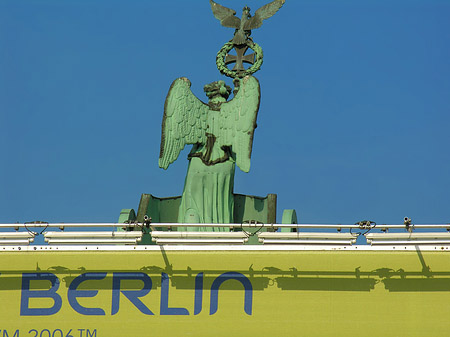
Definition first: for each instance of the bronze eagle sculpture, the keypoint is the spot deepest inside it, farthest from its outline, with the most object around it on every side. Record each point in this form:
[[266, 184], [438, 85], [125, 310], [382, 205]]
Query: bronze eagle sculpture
[[243, 26]]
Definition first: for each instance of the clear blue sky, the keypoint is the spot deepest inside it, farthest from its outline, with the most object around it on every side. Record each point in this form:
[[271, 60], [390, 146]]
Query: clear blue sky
[[354, 118]]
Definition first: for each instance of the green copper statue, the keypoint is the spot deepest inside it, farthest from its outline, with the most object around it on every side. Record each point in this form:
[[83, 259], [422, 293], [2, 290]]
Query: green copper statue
[[220, 131], [222, 135]]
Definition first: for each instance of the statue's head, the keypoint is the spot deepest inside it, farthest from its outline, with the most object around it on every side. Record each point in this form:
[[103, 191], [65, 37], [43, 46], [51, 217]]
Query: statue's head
[[217, 89], [246, 11]]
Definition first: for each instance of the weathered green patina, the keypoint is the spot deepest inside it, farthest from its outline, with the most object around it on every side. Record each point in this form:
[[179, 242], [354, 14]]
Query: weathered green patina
[[255, 59], [222, 134], [220, 131]]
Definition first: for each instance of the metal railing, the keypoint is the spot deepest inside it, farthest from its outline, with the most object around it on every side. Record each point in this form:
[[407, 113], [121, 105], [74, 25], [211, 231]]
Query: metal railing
[[363, 232]]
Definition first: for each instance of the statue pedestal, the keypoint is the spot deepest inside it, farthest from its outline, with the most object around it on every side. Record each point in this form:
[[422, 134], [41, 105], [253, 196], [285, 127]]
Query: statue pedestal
[[247, 208]]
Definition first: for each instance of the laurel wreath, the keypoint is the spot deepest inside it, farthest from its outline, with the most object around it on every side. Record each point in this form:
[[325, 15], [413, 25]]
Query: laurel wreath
[[220, 60]]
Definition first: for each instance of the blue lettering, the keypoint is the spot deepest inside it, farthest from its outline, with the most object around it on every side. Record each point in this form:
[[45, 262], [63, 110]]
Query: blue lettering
[[164, 307], [91, 334], [198, 299], [25, 310], [248, 296], [45, 330], [5, 333], [73, 293], [132, 295], [60, 333]]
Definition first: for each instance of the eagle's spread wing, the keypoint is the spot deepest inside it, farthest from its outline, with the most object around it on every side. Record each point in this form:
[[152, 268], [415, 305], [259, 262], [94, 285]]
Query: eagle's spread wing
[[225, 15], [184, 121], [238, 121], [263, 13]]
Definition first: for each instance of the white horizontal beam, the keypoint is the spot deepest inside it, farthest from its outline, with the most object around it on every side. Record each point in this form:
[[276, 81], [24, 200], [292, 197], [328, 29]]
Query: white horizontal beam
[[63, 224], [257, 225], [410, 242], [199, 241], [97, 234], [99, 241], [408, 236], [446, 226], [307, 235], [307, 242], [19, 242], [299, 226], [18, 235], [176, 234]]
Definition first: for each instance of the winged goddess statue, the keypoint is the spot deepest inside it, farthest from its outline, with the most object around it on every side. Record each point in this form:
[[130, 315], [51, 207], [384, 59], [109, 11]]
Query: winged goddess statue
[[221, 133], [243, 26]]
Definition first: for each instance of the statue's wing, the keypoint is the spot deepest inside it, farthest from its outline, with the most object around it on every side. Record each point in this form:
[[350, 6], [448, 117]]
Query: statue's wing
[[238, 121], [226, 16], [263, 13], [184, 121]]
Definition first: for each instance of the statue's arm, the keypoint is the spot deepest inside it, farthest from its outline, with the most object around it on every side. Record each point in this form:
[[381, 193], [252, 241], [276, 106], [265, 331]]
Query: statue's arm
[[184, 121]]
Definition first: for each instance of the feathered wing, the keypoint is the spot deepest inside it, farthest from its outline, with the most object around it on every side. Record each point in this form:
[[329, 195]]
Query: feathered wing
[[184, 121], [225, 15], [238, 121], [263, 13]]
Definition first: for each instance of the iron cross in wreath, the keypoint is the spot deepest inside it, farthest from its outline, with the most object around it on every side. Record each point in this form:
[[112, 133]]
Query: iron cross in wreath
[[241, 41], [240, 58]]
